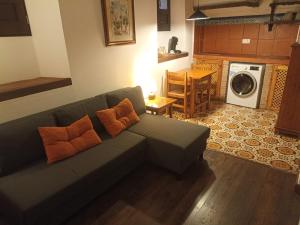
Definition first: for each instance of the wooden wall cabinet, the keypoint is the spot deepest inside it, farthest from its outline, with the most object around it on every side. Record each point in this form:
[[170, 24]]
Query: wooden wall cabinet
[[227, 39], [288, 121]]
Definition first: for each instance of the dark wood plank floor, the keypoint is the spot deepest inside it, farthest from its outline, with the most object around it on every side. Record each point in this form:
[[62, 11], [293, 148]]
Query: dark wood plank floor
[[221, 191]]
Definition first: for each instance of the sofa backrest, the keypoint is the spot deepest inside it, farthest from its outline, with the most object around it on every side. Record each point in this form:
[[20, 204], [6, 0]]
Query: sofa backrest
[[134, 94], [67, 114], [20, 143]]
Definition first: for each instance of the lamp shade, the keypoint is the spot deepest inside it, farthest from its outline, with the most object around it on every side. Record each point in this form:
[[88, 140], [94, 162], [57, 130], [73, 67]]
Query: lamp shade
[[198, 15]]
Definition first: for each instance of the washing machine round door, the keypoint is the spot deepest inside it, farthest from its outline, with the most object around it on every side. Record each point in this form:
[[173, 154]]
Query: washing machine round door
[[243, 84]]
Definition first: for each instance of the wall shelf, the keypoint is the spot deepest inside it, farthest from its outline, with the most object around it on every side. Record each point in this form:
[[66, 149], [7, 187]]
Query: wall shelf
[[169, 57], [31, 86]]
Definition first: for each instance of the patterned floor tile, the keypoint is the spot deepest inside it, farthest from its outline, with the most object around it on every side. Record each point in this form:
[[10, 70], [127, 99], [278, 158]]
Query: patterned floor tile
[[249, 134]]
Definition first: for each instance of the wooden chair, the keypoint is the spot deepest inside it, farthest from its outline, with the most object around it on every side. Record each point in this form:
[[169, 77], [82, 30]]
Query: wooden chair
[[202, 95], [211, 64], [178, 86]]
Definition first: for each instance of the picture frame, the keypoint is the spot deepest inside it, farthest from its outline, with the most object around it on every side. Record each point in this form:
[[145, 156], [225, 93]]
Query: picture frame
[[119, 22]]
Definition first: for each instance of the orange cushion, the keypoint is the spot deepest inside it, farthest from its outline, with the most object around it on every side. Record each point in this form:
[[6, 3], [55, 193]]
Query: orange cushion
[[118, 118], [63, 142]]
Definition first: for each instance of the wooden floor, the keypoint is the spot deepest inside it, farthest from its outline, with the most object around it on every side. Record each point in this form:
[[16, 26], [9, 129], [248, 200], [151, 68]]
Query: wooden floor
[[221, 191]]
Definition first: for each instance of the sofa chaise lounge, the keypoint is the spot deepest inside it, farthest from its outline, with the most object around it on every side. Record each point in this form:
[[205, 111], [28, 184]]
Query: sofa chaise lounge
[[34, 193]]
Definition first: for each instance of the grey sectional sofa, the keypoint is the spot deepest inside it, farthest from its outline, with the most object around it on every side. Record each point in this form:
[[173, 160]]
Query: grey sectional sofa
[[34, 193]]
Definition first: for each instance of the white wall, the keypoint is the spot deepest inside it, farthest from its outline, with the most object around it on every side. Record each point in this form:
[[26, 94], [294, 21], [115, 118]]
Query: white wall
[[177, 27], [17, 59], [48, 37], [184, 31], [95, 68], [42, 54], [98, 68]]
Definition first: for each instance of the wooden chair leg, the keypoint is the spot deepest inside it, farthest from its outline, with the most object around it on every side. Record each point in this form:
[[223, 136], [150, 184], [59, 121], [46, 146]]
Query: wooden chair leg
[[185, 108]]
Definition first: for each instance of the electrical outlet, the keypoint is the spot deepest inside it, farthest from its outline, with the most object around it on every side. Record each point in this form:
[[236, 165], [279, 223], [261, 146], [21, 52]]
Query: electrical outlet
[[246, 41]]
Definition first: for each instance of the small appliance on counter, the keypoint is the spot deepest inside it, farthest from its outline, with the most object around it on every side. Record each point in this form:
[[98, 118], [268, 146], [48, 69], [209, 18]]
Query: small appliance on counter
[[172, 45]]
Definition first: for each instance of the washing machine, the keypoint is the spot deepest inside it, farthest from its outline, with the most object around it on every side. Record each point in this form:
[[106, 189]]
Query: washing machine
[[244, 84]]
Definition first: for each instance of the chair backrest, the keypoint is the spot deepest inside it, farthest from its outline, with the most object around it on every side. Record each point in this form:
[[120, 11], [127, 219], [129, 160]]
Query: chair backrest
[[174, 80], [202, 66], [211, 64]]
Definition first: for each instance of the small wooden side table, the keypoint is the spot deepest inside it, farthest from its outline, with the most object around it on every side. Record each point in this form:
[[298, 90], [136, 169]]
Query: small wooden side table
[[160, 104]]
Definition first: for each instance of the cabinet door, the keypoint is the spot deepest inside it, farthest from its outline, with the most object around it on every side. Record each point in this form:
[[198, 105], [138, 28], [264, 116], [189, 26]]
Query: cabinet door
[[265, 47], [251, 31], [251, 48], [265, 34], [282, 47], [209, 41], [236, 31], [288, 118]]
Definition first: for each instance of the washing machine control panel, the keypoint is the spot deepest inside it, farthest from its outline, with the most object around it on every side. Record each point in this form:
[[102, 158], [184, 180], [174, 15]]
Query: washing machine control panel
[[254, 68], [242, 67]]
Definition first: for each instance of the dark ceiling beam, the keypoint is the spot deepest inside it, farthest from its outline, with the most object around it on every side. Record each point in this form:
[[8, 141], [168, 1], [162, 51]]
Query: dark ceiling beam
[[284, 2], [248, 3]]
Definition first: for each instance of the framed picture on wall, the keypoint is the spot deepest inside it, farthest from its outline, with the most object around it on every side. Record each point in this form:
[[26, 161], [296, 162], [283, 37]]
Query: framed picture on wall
[[118, 20]]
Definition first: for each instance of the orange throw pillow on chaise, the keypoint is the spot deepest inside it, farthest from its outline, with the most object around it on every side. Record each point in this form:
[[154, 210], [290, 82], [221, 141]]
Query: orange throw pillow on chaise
[[63, 142], [118, 118]]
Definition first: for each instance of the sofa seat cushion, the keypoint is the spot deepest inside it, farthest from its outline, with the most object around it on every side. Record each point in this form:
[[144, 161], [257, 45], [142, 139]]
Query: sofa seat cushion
[[32, 195], [172, 144], [25, 195], [110, 155]]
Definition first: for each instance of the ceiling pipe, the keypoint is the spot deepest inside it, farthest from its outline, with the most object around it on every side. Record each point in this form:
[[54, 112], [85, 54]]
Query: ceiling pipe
[[273, 6], [271, 24], [247, 3]]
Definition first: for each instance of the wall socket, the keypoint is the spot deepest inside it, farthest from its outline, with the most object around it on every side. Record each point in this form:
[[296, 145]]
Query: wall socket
[[246, 41]]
